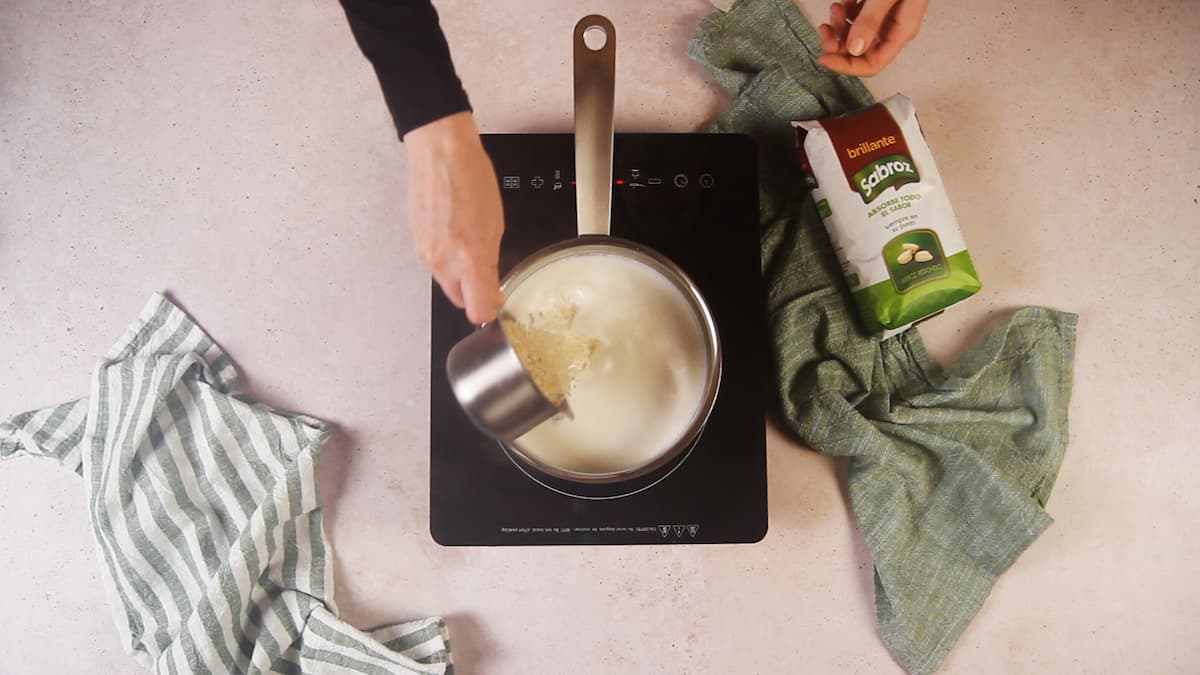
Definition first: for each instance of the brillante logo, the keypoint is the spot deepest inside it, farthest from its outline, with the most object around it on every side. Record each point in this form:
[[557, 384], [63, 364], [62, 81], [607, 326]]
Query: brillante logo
[[883, 173]]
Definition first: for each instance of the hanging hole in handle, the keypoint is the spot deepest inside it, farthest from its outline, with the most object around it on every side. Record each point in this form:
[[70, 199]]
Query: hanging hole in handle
[[595, 37]]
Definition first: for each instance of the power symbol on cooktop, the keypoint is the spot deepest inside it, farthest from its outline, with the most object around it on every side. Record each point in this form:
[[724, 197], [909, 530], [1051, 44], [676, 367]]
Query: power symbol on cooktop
[[706, 180], [681, 180]]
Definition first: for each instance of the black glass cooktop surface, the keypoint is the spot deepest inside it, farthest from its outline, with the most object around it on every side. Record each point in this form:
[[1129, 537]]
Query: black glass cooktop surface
[[694, 198]]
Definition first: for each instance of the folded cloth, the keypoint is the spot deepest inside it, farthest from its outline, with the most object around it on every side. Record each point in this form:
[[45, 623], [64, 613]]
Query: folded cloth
[[206, 517], [948, 472]]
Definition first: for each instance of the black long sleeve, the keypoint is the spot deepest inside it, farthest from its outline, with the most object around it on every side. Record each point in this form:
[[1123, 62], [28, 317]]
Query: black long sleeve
[[404, 42]]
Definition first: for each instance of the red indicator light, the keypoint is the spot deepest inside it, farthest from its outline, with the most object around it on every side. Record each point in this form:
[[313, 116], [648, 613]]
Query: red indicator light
[[620, 182]]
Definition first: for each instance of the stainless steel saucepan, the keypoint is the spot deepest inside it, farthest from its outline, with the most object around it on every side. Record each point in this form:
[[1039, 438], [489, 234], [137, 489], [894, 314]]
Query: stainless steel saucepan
[[485, 372]]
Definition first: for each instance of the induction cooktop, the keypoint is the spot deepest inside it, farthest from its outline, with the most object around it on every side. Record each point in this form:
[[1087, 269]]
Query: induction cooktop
[[694, 198]]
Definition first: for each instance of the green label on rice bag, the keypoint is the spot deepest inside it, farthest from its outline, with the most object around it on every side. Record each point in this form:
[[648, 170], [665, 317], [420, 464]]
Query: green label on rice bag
[[915, 258], [884, 307]]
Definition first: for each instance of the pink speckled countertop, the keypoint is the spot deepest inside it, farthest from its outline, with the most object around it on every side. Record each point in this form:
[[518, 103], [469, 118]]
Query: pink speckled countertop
[[239, 155]]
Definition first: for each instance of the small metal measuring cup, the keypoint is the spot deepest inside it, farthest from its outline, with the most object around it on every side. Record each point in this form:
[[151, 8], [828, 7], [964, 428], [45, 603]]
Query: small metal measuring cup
[[493, 387]]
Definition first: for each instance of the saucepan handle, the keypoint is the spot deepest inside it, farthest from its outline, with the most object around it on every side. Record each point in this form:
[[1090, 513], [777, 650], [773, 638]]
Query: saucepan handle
[[595, 49]]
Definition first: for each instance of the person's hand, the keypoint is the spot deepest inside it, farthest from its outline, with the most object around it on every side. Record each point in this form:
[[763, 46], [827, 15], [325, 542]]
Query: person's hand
[[455, 212], [881, 28]]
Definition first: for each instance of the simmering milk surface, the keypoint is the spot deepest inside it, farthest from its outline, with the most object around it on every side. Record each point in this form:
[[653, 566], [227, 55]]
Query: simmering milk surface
[[645, 379]]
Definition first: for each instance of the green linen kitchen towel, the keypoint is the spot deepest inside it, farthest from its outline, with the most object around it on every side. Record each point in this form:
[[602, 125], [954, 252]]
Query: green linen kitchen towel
[[205, 515], [948, 472]]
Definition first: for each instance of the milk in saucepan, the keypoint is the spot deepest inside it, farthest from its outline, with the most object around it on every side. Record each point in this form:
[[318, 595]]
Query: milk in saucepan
[[646, 364]]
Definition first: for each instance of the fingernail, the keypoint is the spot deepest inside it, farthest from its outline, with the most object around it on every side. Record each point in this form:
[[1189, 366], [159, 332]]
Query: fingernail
[[857, 46]]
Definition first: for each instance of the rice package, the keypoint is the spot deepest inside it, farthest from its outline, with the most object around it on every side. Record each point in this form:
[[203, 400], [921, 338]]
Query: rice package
[[881, 198]]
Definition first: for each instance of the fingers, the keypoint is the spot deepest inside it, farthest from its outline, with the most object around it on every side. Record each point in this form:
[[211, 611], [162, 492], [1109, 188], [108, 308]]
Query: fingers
[[481, 294], [830, 42], [868, 25], [837, 19], [476, 289], [833, 33], [838, 63], [895, 32], [471, 281], [885, 52], [451, 286], [861, 66], [468, 275]]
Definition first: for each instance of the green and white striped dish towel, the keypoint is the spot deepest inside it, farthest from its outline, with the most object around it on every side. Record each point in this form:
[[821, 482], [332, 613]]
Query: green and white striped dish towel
[[206, 517]]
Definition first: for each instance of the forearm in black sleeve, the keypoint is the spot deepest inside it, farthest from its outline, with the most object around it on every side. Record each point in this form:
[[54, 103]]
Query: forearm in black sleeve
[[404, 42]]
